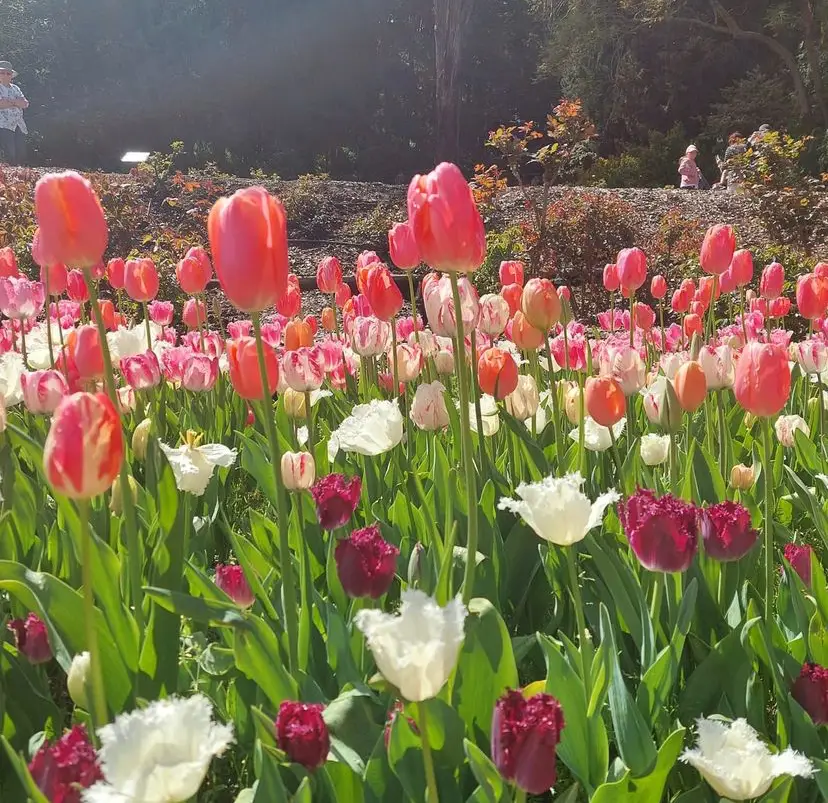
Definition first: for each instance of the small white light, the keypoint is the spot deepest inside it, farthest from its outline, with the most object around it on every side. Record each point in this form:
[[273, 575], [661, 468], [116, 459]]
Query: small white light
[[135, 157]]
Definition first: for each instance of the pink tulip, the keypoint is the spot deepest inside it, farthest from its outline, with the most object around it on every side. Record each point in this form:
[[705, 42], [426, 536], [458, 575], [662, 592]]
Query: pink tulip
[[56, 276], [116, 273], [141, 371], [194, 313], [43, 390], [439, 304], [812, 296], [727, 284], [343, 293], [161, 312], [21, 298], [76, 287], [8, 263], [403, 247], [762, 383], [779, 307], [772, 281], [611, 283], [200, 372], [290, 304], [741, 267], [238, 329], [194, 271], [328, 275], [658, 287], [212, 341], [88, 353], [141, 280], [304, 368], [717, 249], [409, 362], [371, 336], [631, 264]]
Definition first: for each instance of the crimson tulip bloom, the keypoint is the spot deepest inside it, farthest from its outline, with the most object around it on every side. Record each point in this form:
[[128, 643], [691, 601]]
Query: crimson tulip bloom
[[772, 281], [726, 531], [631, 265], [85, 446], [302, 734], [248, 238], [141, 280], [336, 498], [445, 220], [382, 292], [741, 267], [31, 638], [605, 401], [762, 382], [366, 563], [403, 246], [243, 362], [71, 220], [717, 249], [810, 690], [511, 272], [497, 373], [525, 737], [232, 581], [611, 283], [663, 532], [63, 769], [799, 556]]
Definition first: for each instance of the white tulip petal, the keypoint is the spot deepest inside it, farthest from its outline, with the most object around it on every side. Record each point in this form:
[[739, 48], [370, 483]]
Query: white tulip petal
[[371, 429]]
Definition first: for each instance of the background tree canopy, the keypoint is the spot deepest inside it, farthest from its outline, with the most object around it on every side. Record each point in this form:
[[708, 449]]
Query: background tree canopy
[[292, 86]]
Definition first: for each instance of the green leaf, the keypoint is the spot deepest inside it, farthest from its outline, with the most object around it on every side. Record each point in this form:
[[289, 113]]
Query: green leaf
[[259, 657], [304, 794], [708, 476], [356, 719], [22, 771], [405, 757], [485, 773], [344, 783]]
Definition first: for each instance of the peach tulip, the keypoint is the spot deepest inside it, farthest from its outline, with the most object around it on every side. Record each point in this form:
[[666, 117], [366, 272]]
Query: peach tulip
[[762, 383], [245, 376], [297, 335], [141, 280], [605, 400], [525, 336], [540, 304], [691, 385], [497, 373]]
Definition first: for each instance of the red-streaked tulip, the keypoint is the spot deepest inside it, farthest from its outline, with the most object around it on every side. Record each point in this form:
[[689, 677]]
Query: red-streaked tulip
[[717, 249], [85, 446], [409, 362], [741, 267], [439, 303], [611, 283], [772, 281], [494, 314], [248, 238], [403, 246], [370, 336], [141, 279], [497, 373], [631, 265], [328, 275], [445, 220], [231, 580], [762, 383], [540, 304], [161, 312], [658, 287], [605, 400], [71, 220], [382, 292], [76, 287], [243, 362], [141, 371], [304, 368], [116, 273], [298, 470], [812, 355], [43, 390], [511, 272], [428, 409]]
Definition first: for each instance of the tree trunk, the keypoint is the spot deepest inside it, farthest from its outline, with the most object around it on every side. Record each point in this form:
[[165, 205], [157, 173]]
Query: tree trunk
[[450, 20], [812, 52]]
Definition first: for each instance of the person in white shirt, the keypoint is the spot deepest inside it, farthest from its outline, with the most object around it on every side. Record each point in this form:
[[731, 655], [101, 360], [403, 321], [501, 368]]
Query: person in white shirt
[[12, 125]]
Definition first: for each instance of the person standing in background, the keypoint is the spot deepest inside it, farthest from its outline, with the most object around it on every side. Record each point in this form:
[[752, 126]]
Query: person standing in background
[[689, 170], [12, 125]]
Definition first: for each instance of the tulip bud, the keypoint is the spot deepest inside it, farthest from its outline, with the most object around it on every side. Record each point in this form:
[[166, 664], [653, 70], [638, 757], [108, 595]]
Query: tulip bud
[[741, 477], [140, 439], [772, 281], [670, 415], [605, 401], [658, 287], [31, 638], [497, 373], [116, 503], [799, 556], [572, 403], [232, 581], [78, 679], [717, 249], [302, 734], [691, 385], [631, 265], [329, 319], [403, 247], [366, 563], [298, 470], [523, 402], [610, 278], [540, 304], [416, 565], [294, 402], [567, 316]]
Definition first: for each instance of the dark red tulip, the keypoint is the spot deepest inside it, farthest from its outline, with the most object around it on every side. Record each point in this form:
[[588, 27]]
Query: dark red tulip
[[61, 771], [810, 690], [799, 556], [336, 497], [231, 580], [31, 639], [366, 563], [302, 734], [727, 532]]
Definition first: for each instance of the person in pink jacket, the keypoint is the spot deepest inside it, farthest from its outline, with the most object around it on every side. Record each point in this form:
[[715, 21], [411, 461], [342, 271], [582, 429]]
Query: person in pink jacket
[[689, 170]]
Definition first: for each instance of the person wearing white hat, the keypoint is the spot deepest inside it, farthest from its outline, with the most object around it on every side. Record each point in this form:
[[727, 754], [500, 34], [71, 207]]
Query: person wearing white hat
[[12, 125], [689, 170]]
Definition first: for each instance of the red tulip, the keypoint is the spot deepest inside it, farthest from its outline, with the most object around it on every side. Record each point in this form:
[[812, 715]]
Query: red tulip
[[611, 283], [85, 446], [799, 556], [658, 287], [513, 293], [328, 275], [446, 223], [403, 246], [194, 313], [8, 263], [63, 769], [631, 265], [762, 381], [680, 301], [248, 238], [717, 249], [141, 280], [511, 272], [72, 225], [301, 733], [382, 292], [497, 373], [366, 563], [76, 287], [779, 307], [741, 267], [811, 296], [727, 532], [243, 362], [772, 281], [231, 580], [116, 273], [56, 277], [31, 638], [540, 304], [605, 401], [810, 690], [336, 498]]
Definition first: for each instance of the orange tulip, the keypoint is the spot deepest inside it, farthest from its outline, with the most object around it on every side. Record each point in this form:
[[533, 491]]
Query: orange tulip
[[497, 373], [605, 401], [245, 376], [194, 271], [297, 335], [690, 384], [382, 292], [107, 313], [248, 238], [141, 280], [540, 304], [525, 336], [513, 294], [762, 382], [329, 319], [85, 446]]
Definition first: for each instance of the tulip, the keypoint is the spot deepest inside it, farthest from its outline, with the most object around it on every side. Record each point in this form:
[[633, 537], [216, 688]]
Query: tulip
[[141, 371], [63, 769], [371, 429], [799, 557], [512, 294], [779, 307], [370, 336], [812, 355], [304, 368], [231, 580], [444, 362], [21, 298], [690, 385], [140, 439], [727, 532], [88, 353], [810, 690], [786, 427], [298, 470], [301, 733], [624, 364], [497, 373], [572, 402], [736, 764], [336, 498], [727, 284], [439, 304], [79, 679], [194, 271], [116, 273], [200, 372], [680, 301], [116, 503], [402, 246], [655, 449], [43, 390], [611, 283], [141, 280], [525, 736], [762, 381], [343, 293], [812, 296], [161, 312], [248, 238], [297, 335], [525, 336], [294, 401], [741, 477], [663, 532], [382, 292], [772, 281], [416, 649], [446, 223], [72, 227], [329, 319], [605, 402], [409, 362], [540, 304], [56, 277], [717, 249], [428, 409], [289, 303], [717, 364], [76, 287], [631, 265], [494, 314], [193, 464], [511, 272], [366, 563], [243, 363], [8, 262], [692, 325], [658, 287], [194, 313], [741, 267], [31, 638]]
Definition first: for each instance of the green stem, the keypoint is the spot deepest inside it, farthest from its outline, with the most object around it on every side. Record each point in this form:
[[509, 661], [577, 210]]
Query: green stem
[[98, 701], [147, 324], [478, 412], [466, 444], [768, 523], [304, 587], [581, 414], [200, 323], [673, 465], [663, 336], [288, 579], [556, 413], [520, 795], [48, 321], [428, 760], [616, 456], [744, 326], [725, 468], [632, 319], [395, 372], [580, 619], [23, 343]]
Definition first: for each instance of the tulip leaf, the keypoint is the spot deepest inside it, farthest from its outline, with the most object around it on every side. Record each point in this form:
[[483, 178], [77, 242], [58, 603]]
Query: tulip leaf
[[648, 788], [18, 763], [485, 773], [635, 741], [405, 757], [304, 794], [259, 657], [780, 792], [343, 783], [355, 718], [213, 612], [709, 483], [381, 784], [485, 669]]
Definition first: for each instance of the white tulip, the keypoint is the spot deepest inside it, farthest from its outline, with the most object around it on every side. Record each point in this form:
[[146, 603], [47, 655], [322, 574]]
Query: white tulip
[[733, 760], [417, 649], [557, 509], [159, 754], [125, 342], [596, 437], [786, 427], [428, 409], [717, 364], [11, 369], [655, 449], [370, 429], [193, 465], [78, 678], [523, 401], [37, 346], [488, 415]]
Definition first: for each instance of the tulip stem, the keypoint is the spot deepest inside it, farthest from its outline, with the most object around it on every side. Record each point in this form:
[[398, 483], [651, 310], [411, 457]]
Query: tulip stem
[[744, 325], [428, 760], [520, 795], [201, 323], [723, 465], [23, 343], [478, 413], [556, 413], [578, 603], [98, 702], [466, 444], [632, 319], [134, 553], [288, 580], [147, 325], [616, 456], [768, 523], [48, 320], [673, 464], [581, 434]]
